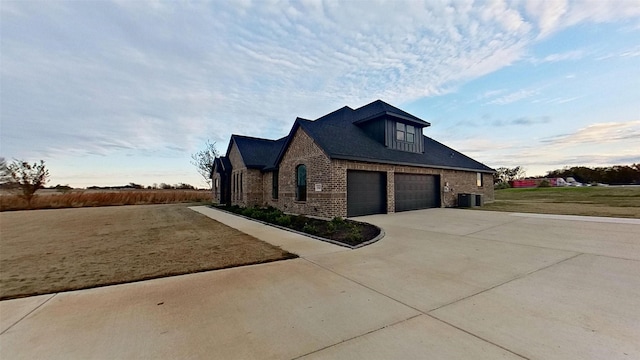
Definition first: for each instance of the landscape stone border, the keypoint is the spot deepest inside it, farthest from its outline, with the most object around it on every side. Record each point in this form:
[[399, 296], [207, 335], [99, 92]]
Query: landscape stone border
[[352, 247]]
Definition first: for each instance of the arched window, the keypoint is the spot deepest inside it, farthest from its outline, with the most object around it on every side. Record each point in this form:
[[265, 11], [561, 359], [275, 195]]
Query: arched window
[[301, 183]]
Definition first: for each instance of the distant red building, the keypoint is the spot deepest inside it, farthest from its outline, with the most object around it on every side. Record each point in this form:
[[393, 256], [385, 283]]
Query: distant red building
[[531, 183]]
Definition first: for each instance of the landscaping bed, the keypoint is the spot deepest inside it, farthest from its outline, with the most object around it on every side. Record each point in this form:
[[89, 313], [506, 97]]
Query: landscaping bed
[[338, 230]]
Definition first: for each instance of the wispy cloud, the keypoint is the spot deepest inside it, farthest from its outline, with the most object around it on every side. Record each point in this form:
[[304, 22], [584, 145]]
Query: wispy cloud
[[599, 133], [551, 16], [565, 56], [523, 121], [628, 53], [513, 97], [490, 94]]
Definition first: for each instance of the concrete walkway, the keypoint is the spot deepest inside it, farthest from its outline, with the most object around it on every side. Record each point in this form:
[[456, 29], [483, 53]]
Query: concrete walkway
[[442, 284]]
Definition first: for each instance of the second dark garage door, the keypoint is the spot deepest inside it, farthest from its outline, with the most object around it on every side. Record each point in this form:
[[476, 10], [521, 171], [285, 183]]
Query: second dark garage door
[[366, 192], [413, 192]]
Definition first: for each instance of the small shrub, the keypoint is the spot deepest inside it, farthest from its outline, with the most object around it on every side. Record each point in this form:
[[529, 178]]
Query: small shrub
[[310, 229], [331, 227], [299, 221], [283, 220], [354, 236], [271, 214]]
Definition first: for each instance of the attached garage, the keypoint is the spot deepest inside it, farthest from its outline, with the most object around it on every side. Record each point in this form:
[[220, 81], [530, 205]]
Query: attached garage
[[413, 192], [366, 192]]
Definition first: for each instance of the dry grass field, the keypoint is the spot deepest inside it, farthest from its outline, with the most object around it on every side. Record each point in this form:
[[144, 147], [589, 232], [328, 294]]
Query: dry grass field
[[613, 201], [51, 199], [45, 251]]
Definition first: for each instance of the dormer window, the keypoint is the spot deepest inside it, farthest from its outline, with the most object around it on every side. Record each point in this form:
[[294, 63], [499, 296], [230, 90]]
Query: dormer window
[[405, 132]]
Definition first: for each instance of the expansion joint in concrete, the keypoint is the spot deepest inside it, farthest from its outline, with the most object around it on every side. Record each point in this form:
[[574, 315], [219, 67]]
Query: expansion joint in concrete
[[29, 313], [506, 282], [358, 336]]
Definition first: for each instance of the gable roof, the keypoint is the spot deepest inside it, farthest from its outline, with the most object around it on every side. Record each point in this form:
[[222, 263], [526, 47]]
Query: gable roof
[[343, 140], [338, 135], [221, 165], [380, 108], [257, 153]]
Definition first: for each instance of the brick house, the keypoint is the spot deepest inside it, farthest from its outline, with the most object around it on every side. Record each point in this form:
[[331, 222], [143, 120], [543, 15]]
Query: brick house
[[374, 159]]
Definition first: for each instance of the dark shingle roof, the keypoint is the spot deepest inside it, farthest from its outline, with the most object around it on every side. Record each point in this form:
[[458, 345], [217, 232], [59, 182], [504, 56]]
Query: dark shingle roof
[[339, 136], [380, 108], [342, 140], [258, 153], [222, 165]]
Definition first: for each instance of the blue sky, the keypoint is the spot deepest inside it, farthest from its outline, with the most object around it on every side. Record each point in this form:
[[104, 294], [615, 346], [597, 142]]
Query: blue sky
[[109, 93]]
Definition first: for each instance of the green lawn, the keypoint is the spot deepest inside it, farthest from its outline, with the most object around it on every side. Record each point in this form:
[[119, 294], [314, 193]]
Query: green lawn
[[613, 201]]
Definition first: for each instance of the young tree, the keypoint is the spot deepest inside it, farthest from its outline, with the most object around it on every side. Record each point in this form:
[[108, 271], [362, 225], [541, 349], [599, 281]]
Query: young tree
[[29, 178], [203, 161], [504, 174]]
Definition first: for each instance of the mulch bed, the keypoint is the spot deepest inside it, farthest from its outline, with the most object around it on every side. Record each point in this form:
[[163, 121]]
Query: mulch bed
[[343, 231]]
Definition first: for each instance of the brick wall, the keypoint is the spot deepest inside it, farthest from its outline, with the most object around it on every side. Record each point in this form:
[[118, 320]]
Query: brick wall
[[267, 196], [303, 150], [459, 182], [246, 184], [331, 176], [215, 187]]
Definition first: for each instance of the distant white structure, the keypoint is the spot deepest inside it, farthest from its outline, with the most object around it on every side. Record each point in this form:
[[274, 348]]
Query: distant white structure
[[572, 182]]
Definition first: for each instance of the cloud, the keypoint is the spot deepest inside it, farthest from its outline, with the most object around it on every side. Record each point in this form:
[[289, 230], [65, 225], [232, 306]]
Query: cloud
[[602, 144], [490, 94], [513, 97], [523, 121], [552, 16], [598, 134], [628, 53], [172, 75], [557, 100], [565, 56], [104, 77], [548, 14]]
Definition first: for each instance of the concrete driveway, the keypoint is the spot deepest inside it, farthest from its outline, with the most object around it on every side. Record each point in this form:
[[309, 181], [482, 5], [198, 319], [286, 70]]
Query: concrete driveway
[[442, 284]]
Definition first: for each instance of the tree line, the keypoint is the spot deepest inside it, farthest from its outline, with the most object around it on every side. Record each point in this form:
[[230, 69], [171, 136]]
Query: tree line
[[612, 175]]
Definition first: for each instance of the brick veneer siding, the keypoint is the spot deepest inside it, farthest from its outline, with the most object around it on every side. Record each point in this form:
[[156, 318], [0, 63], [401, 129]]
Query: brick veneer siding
[[303, 150], [332, 175], [216, 182], [248, 182], [459, 181], [267, 186]]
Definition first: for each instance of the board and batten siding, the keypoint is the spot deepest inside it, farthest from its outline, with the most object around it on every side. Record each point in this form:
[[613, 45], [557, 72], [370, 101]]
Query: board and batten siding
[[383, 130], [390, 139]]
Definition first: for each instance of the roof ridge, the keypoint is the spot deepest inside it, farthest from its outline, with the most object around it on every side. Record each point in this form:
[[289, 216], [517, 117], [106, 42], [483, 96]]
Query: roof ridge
[[331, 113], [251, 137]]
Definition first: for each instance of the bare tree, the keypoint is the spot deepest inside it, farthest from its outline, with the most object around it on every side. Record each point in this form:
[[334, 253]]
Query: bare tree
[[29, 178], [5, 176], [203, 161]]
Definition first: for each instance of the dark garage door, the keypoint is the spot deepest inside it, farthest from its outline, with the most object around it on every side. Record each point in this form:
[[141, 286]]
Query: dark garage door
[[416, 191], [366, 192]]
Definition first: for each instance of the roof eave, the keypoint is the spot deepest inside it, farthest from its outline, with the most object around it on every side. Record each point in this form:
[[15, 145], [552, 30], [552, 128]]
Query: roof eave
[[380, 161], [419, 122]]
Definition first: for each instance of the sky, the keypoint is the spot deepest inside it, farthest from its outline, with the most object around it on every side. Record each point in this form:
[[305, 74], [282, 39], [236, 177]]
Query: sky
[[113, 92]]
